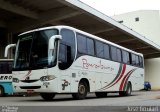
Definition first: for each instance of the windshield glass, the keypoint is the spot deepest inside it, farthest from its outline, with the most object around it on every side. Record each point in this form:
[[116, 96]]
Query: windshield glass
[[32, 50]]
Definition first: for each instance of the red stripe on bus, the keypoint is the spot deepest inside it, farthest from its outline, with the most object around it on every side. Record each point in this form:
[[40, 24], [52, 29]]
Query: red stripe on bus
[[124, 79], [118, 74], [121, 75], [28, 74]]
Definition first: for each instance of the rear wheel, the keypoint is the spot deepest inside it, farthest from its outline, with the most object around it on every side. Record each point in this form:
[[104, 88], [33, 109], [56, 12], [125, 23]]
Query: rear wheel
[[128, 92], [101, 94], [82, 91], [2, 91], [47, 96]]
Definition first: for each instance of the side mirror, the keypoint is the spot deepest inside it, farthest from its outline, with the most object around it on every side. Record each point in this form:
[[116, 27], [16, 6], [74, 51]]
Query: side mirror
[[52, 41], [7, 48]]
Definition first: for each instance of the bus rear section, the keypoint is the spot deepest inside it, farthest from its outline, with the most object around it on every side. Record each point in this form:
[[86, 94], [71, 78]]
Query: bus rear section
[[6, 77]]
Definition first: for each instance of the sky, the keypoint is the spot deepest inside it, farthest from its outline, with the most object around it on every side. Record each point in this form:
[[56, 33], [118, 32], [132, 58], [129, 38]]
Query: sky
[[115, 7]]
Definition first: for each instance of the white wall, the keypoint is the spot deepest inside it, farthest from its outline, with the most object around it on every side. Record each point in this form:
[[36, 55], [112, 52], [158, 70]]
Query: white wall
[[148, 26], [152, 71]]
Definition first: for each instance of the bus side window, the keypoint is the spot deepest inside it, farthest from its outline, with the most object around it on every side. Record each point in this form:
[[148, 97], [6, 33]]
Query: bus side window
[[119, 55], [99, 49], [106, 51], [133, 59], [141, 61], [82, 44], [137, 61], [85, 45], [1, 68], [116, 54], [90, 47], [113, 53], [130, 58], [5, 67], [125, 56]]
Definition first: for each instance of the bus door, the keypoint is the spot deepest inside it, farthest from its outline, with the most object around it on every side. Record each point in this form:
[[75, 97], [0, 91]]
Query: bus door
[[64, 66]]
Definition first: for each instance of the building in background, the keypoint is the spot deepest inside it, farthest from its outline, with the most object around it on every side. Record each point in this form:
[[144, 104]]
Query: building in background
[[146, 23]]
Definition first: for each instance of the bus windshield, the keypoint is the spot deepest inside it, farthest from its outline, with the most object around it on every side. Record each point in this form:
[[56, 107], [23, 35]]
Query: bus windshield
[[32, 50]]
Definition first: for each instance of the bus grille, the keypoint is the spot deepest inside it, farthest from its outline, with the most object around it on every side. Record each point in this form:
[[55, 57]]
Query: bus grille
[[28, 81]]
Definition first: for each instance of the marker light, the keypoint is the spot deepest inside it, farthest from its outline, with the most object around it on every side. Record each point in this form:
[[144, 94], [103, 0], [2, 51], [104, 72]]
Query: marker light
[[16, 80]]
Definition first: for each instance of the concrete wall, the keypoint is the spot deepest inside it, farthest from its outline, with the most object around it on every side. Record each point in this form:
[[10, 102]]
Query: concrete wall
[[148, 26], [152, 72]]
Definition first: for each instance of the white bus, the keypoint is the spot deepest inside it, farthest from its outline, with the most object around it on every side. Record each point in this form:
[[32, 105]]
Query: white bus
[[6, 77], [62, 59]]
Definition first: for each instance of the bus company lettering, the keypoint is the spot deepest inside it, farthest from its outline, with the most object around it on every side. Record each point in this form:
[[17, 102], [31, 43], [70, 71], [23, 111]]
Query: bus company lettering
[[5, 77], [88, 65]]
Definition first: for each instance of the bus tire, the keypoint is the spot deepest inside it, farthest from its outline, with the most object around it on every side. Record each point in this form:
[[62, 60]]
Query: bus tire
[[101, 94], [2, 93], [127, 92], [47, 96], [82, 91]]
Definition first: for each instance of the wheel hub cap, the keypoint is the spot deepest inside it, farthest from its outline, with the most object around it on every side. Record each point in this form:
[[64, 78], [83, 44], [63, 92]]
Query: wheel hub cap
[[81, 89]]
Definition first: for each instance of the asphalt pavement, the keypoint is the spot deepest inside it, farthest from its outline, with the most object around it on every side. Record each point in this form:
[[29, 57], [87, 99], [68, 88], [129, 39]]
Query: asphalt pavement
[[143, 101]]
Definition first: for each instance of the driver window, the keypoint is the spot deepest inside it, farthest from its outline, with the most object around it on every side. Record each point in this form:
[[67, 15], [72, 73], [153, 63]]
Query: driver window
[[66, 49]]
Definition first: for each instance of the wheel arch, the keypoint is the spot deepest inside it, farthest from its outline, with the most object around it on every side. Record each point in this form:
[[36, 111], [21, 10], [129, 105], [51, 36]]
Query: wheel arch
[[3, 89], [87, 82]]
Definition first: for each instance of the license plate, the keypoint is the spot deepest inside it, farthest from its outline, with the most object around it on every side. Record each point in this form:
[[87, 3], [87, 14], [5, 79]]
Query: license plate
[[30, 91]]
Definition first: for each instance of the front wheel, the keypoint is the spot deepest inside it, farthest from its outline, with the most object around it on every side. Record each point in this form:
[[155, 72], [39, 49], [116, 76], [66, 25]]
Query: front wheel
[[47, 96], [2, 91], [82, 91]]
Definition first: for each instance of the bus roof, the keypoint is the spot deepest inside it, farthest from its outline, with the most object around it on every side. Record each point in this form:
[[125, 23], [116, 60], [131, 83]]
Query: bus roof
[[82, 32]]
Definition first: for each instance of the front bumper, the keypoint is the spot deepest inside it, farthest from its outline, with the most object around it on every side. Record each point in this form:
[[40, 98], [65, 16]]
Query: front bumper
[[38, 86]]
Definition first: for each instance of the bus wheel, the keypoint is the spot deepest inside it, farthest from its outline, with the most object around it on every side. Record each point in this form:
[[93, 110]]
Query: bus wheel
[[82, 91], [127, 92], [1, 91], [47, 96], [101, 94]]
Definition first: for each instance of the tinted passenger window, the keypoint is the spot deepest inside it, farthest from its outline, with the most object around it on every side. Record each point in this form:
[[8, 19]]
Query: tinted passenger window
[[85, 45], [82, 44], [90, 46], [67, 49], [133, 59], [106, 51], [99, 49], [119, 55], [114, 53], [125, 55], [102, 50], [5, 67], [141, 61], [137, 61]]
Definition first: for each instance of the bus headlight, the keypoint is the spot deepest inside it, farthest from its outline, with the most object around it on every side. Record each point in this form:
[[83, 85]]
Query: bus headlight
[[16, 80], [47, 78]]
